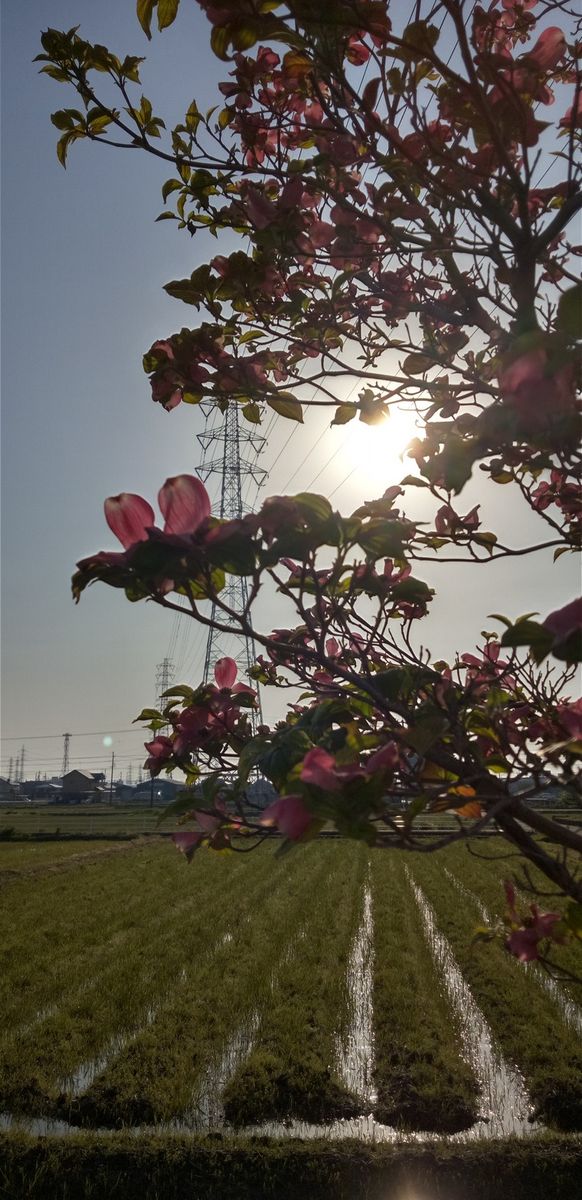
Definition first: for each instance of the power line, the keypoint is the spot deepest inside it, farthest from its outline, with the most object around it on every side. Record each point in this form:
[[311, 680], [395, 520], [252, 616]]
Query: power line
[[35, 737]]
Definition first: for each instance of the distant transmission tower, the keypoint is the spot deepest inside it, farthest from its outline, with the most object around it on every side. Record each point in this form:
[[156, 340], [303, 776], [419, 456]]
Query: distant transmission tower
[[164, 680], [231, 453], [66, 740]]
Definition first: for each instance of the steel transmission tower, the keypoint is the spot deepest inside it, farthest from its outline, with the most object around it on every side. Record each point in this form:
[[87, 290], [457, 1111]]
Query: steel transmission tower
[[164, 680], [230, 453]]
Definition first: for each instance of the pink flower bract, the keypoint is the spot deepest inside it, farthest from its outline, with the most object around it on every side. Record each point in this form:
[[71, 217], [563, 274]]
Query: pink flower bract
[[129, 517], [225, 672], [184, 503], [290, 815]]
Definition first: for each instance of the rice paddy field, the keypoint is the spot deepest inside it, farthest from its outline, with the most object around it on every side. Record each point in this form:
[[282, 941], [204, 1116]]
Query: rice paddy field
[[318, 1022]]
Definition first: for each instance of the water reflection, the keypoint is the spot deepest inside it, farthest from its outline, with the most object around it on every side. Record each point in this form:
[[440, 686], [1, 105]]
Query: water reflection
[[356, 1053], [506, 1108]]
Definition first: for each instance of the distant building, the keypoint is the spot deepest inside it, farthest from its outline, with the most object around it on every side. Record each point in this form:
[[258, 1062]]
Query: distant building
[[44, 792], [10, 792], [260, 793], [78, 785], [164, 791]]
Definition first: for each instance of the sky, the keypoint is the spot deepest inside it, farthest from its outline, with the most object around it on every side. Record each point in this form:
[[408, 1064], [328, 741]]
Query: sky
[[83, 265]]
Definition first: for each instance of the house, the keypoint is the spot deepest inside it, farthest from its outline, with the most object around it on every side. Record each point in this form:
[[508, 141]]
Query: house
[[11, 792], [77, 785], [43, 792]]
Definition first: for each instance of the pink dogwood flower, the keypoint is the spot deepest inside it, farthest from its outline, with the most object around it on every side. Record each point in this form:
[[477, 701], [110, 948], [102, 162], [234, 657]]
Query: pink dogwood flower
[[290, 816], [129, 517], [225, 672], [183, 501], [187, 843], [160, 752], [549, 49], [526, 934]]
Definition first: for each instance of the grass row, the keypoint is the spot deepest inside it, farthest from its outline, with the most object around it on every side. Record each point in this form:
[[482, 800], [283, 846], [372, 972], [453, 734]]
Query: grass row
[[72, 926], [525, 1021], [93, 1167], [92, 820], [485, 877], [135, 974], [160, 1075], [17, 856], [421, 1080], [292, 1069]]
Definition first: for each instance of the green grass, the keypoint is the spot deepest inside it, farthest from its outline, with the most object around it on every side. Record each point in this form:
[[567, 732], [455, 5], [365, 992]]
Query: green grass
[[158, 1076], [485, 877], [291, 1072], [122, 1167], [26, 856], [421, 1079], [85, 820], [525, 1021], [132, 945], [135, 971]]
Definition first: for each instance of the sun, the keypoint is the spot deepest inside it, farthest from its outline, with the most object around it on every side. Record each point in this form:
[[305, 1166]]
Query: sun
[[379, 449]]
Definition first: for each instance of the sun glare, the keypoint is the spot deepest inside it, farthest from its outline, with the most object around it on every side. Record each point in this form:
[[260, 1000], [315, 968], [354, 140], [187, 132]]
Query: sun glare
[[379, 449]]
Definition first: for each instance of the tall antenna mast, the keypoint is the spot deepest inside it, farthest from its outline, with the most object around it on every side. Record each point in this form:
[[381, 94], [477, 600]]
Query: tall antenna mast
[[231, 453]]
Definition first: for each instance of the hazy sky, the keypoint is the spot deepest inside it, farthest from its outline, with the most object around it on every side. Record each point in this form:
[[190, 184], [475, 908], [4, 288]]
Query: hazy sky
[[83, 266]]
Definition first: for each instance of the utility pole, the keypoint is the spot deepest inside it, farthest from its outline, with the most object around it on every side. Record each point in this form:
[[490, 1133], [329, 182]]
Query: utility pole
[[111, 781], [66, 741]]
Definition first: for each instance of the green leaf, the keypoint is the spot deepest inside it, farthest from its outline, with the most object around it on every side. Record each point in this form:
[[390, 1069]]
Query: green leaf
[[250, 755], [569, 318], [311, 504], [420, 39], [486, 539], [382, 538], [220, 40], [145, 9], [181, 690], [418, 364], [252, 412], [412, 481], [392, 683], [573, 918], [171, 185], [529, 633], [344, 413], [167, 10], [62, 120], [225, 117], [287, 406], [415, 808], [427, 731], [413, 591], [148, 714]]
